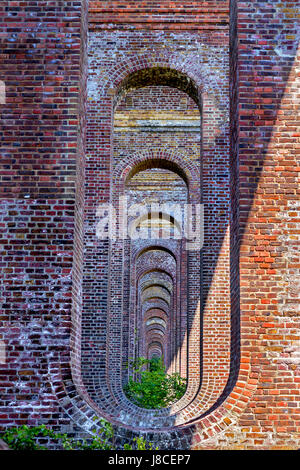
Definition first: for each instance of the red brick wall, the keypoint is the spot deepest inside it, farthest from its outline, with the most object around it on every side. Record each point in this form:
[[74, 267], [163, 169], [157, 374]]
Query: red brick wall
[[54, 274], [42, 135]]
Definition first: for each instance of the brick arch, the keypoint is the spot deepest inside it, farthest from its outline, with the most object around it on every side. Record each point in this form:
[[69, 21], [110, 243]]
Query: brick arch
[[129, 71], [158, 75], [157, 157], [162, 272], [154, 346], [158, 304], [153, 320], [157, 296], [155, 336], [263, 137], [155, 330], [175, 349], [144, 264], [158, 247], [118, 86], [184, 418], [156, 216], [156, 284], [161, 283], [155, 312], [155, 290]]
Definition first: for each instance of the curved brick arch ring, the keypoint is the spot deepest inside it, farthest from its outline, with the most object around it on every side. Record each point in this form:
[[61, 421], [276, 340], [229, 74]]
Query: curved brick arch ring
[[158, 270], [155, 284], [161, 277], [156, 296], [157, 313], [117, 78], [201, 427], [178, 162], [158, 244], [157, 305], [153, 290], [139, 65], [160, 247], [148, 284], [162, 273], [162, 215], [155, 328], [160, 74], [153, 320], [77, 405]]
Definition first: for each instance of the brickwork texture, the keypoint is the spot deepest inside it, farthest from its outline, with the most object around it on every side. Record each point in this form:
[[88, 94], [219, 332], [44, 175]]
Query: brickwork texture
[[151, 102]]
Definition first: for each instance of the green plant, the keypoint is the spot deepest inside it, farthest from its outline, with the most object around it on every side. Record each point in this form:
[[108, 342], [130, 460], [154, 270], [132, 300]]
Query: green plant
[[26, 437], [150, 387], [140, 444], [102, 441]]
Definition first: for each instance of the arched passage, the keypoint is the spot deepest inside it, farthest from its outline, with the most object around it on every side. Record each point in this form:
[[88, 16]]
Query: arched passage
[[144, 169]]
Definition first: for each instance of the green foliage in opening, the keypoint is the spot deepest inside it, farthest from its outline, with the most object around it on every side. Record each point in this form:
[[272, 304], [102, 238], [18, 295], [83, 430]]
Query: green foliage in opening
[[26, 438], [150, 387]]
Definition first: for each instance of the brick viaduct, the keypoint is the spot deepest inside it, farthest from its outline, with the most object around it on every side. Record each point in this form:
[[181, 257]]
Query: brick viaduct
[[189, 103]]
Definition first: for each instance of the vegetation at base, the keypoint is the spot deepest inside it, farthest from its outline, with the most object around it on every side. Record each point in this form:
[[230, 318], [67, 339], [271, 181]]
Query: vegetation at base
[[149, 386], [26, 438]]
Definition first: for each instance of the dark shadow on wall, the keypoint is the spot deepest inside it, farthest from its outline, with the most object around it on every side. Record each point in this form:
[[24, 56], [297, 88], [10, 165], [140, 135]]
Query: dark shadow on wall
[[260, 74]]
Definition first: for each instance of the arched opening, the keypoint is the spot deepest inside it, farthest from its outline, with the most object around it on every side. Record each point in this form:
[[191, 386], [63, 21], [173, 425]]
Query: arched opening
[[158, 77], [156, 106], [156, 159]]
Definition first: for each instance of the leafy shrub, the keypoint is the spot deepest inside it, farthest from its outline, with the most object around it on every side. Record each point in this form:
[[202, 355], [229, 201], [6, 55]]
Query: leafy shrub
[[150, 387], [26, 437], [140, 444]]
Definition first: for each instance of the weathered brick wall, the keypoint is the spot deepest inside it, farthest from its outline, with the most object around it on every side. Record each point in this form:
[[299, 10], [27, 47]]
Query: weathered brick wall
[[42, 65], [54, 275], [267, 91], [196, 63]]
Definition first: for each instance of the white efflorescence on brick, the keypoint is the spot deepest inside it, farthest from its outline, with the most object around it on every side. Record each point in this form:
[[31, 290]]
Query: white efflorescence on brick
[[2, 352], [2, 92]]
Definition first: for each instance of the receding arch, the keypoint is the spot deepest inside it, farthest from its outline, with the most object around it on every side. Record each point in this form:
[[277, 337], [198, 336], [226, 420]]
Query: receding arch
[[156, 284], [153, 287], [151, 309], [163, 76], [118, 75], [162, 163], [156, 270], [177, 161], [155, 248], [193, 183], [150, 217], [154, 320]]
